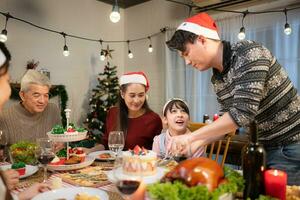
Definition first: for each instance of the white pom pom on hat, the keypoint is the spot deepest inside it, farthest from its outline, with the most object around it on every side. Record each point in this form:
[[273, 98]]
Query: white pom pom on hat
[[201, 24], [135, 77]]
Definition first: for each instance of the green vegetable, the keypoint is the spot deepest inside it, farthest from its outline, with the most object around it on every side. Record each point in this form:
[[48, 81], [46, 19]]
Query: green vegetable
[[62, 153], [23, 151], [58, 129], [80, 129], [18, 165]]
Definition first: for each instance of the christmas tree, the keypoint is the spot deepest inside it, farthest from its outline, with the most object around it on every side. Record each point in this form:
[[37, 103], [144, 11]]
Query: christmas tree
[[103, 97]]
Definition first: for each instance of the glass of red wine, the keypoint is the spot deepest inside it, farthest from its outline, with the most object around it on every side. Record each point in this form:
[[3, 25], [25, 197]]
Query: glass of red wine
[[127, 184], [44, 153]]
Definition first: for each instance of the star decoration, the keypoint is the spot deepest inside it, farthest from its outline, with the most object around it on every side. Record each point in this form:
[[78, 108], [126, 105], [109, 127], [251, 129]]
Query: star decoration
[[107, 52]]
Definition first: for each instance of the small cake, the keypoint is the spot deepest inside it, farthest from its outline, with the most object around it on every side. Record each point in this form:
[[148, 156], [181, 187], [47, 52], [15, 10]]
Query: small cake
[[78, 152], [142, 157], [20, 167]]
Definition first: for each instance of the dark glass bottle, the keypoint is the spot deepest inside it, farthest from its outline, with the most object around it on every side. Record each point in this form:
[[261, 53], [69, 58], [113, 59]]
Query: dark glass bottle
[[205, 118], [254, 165]]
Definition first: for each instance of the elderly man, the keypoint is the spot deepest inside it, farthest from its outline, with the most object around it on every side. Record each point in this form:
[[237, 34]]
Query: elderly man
[[34, 116], [250, 85]]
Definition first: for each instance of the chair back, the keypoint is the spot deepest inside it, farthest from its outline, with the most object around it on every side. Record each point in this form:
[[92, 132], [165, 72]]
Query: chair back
[[217, 148]]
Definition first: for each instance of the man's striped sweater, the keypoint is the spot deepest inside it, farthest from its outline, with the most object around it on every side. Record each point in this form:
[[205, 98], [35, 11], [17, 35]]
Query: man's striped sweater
[[254, 86]]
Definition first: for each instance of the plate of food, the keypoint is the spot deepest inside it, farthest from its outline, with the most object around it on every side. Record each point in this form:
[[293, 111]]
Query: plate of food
[[23, 170], [103, 155], [77, 193], [73, 163], [88, 177]]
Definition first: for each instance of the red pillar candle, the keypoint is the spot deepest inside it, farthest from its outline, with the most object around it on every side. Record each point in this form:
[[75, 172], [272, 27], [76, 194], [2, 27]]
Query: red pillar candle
[[275, 183]]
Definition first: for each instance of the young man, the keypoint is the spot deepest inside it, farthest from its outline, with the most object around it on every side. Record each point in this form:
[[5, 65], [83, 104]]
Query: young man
[[250, 86], [34, 116]]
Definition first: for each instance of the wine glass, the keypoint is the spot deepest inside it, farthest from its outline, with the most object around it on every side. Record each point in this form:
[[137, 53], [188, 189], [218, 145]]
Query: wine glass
[[3, 147], [116, 141], [44, 153], [125, 183]]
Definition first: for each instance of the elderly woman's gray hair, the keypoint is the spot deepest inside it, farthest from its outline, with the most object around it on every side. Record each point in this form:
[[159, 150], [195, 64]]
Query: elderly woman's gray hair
[[34, 77]]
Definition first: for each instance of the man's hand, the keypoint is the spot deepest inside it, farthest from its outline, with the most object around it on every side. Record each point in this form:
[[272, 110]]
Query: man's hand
[[33, 191], [11, 178]]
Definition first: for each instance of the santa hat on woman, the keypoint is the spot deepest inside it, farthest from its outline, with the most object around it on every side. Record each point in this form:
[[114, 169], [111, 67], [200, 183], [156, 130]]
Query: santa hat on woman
[[201, 24], [135, 77]]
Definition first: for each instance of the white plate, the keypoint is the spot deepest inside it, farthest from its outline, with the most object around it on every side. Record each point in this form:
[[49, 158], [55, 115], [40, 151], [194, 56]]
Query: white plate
[[147, 179], [87, 162], [97, 153], [69, 193], [30, 169]]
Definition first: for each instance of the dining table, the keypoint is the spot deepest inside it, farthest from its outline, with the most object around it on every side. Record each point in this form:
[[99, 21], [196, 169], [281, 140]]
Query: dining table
[[107, 186]]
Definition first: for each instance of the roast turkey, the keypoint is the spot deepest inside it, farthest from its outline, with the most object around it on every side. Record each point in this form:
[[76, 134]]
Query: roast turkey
[[197, 171]]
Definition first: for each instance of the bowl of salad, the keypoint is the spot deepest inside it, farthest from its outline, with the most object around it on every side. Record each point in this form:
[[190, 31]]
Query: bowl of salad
[[23, 151]]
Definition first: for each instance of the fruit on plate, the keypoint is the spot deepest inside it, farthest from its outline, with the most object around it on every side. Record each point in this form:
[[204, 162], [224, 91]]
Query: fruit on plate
[[20, 167]]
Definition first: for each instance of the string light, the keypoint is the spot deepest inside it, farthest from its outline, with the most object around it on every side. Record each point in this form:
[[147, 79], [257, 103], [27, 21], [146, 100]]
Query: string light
[[102, 56], [130, 54], [3, 35], [66, 51], [242, 33], [115, 14], [287, 27], [150, 48]]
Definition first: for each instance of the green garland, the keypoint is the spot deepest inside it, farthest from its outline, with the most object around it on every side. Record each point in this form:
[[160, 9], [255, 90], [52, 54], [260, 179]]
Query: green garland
[[55, 90]]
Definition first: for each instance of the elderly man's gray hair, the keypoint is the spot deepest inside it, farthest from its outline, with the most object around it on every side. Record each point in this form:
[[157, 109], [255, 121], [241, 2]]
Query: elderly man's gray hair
[[34, 77]]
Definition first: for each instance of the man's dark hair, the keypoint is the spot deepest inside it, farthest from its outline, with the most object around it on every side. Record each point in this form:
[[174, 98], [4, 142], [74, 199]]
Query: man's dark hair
[[180, 39]]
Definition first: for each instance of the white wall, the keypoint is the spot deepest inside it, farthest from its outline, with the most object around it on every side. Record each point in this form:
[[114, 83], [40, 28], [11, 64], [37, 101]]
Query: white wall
[[78, 72], [143, 20]]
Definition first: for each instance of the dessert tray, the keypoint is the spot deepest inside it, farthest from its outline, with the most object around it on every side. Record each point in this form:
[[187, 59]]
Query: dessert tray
[[87, 162], [67, 137]]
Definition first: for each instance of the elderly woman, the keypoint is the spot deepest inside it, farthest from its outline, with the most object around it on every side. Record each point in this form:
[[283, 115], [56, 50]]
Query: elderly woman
[[8, 178]]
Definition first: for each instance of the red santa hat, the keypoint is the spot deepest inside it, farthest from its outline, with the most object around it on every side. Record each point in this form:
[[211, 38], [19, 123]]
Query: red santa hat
[[2, 58], [135, 77], [201, 24]]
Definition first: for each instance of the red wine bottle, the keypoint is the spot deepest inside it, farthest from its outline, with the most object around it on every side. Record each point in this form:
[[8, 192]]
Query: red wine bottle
[[128, 186], [254, 165]]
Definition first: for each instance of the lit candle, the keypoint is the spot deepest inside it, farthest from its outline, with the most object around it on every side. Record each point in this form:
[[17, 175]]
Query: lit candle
[[275, 183]]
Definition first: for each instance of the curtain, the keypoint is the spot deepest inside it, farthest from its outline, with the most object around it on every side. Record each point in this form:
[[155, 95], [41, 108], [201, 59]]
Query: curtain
[[195, 86]]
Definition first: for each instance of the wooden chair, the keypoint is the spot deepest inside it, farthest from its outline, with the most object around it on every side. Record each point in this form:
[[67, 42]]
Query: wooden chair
[[217, 148]]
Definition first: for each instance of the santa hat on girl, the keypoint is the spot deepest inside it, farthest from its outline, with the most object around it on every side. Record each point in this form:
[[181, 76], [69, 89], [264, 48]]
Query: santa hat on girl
[[135, 77], [201, 24]]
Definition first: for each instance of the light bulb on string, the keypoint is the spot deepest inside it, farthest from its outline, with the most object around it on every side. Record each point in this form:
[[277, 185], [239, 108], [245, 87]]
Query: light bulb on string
[[130, 54], [102, 55], [3, 35], [150, 48], [66, 51], [287, 27], [115, 14], [242, 33]]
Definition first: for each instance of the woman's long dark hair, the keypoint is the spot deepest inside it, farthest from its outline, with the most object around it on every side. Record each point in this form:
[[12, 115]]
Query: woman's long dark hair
[[123, 110]]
